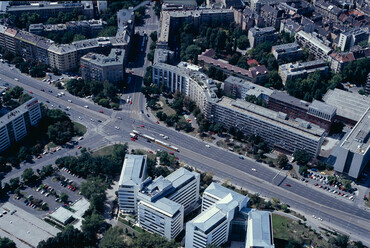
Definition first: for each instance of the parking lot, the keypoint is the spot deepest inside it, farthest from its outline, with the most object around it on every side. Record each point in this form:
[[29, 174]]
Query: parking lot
[[47, 191]]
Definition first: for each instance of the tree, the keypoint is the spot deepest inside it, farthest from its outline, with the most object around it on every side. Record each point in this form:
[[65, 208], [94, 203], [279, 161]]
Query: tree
[[78, 37], [243, 42], [64, 197], [153, 241], [7, 243], [24, 154], [27, 175], [341, 241], [154, 36], [234, 59], [302, 157], [113, 238], [14, 183], [69, 237], [91, 225], [303, 170], [282, 160], [108, 31]]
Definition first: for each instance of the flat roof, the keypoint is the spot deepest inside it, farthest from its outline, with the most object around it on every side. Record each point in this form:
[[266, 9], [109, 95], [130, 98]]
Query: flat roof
[[272, 117], [259, 233], [219, 191], [25, 229], [349, 105], [358, 140], [61, 214], [133, 170], [315, 41], [180, 177], [115, 57], [253, 89], [291, 100], [14, 114], [43, 5], [164, 206], [323, 107]]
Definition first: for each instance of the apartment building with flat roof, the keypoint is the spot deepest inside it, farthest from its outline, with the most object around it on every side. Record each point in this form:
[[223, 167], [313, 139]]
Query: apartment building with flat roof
[[133, 174], [289, 51], [314, 45], [273, 127], [257, 35], [294, 71], [354, 152], [16, 124]]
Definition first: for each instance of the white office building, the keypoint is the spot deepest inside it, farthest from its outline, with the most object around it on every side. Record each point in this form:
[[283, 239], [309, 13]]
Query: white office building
[[133, 174], [163, 201], [15, 125], [220, 206], [259, 231]]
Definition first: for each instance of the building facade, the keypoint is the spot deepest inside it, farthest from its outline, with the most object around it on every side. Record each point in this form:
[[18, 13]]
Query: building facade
[[289, 51], [351, 38], [257, 35], [292, 71], [15, 125], [314, 45]]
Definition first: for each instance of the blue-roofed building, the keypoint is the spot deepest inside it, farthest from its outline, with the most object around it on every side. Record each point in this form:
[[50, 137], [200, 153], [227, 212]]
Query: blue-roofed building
[[133, 174], [259, 231]]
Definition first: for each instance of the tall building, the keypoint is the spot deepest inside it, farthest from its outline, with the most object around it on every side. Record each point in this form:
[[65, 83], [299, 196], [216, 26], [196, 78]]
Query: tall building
[[314, 45], [351, 38], [213, 225], [133, 174], [15, 125], [163, 201], [353, 152], [294, 71], [257, 35], [259, 231], [103, 68]]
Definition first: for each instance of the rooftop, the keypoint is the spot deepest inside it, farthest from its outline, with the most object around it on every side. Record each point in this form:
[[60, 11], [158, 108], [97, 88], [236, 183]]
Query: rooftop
[[220, 192], [253, 89], [300, 127], [262, 31], [349, 105], [288, 99], [358, 139], [323, 107], [43, 5], [180, 177], [116, 57], [14, 114], [286, 47], [315, 41], [133, 170], [259, 229], [164, 206]]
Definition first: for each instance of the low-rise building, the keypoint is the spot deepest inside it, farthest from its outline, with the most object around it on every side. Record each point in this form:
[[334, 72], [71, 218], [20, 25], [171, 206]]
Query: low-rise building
[[16, 124], [289, 51], [292, 71], [339, 60], [133, 174], [353, 152], [257, 35], [259, 231], [314, 45], [104, 68]]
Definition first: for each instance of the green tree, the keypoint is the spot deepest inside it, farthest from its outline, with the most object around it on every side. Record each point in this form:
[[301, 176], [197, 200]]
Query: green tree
[[282, 160], [303, 170], [64, 197], [14, 183], [69, 237], [113, 238], [243, 42], [7, 243], [154, 36], [27, 175], [154, 241], [302, 157], [78, 37], [91, 225], [108, 31], [24, 154]]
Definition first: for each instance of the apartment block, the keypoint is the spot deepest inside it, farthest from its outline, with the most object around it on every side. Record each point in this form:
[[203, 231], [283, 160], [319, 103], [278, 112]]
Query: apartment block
[[133, 174], [273, 127], [241, 88], [314, 45], [257, 35], [272, 16], [163, 202], [292, 71], [354, 153], [15, 125], [259, 231], [213, 225], [339, 60], [102, 68], [289, 51], [352, 37]]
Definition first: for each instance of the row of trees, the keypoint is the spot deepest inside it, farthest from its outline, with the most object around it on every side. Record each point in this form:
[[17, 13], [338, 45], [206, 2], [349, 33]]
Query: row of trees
[[104, 93]]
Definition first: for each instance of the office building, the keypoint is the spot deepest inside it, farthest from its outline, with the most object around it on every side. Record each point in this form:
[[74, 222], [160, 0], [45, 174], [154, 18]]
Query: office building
[[314, 45], [257, 35], [353, 152], [133, 174], [103, 68], [351, 38], [273, 127], [241, 88], [292, 71], [257, 74], [289, 51], [350, 106], [15, 125], [259, 231], [163, 202], [213, 225]]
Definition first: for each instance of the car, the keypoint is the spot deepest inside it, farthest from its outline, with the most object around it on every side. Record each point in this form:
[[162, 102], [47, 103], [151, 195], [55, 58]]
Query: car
[[116, 127], [16, 79], [119, 118], [241, 157], [316, 184], [132, 139], [320, 186], [141, 125], [177, 158], [253, 169], [101, 111], [42, 90], [142, 111], [73, 189], [47, 194], [161, 134], [208, 146], [39, 156], [157, 122], [288, 185], [79, 147], [12, 212], [131, 71], [150, 151], [31, 92], [38, 189], [81, 138], [86, 106], [172, 153]]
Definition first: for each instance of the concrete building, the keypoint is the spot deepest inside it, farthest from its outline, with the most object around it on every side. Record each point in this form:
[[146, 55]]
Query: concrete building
[[289, 51], [257, 35], [351, 38], [339, 60], [163, 202], [327, 9], [103, 68], [314, 45], [367, 85], [241, 88], [213, 225], [133, 174], [354, 153], [15, 125], [350, 106], [272, 16], [259, 231], [273, 127], [292, 71], [257, 74], [102, 5]]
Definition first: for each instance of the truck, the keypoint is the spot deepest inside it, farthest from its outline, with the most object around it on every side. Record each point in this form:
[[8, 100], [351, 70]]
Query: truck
[[132, 135]]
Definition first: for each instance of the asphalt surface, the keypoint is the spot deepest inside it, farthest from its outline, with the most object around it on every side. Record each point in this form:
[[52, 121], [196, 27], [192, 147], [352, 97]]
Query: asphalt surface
[[338, 213]]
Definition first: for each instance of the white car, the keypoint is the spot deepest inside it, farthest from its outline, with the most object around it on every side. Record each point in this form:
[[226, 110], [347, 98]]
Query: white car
[[253, 169], [86, 106], [81, 138], [69, 100], [208, 146], [162, 135], [16, 79], [116, 127]]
